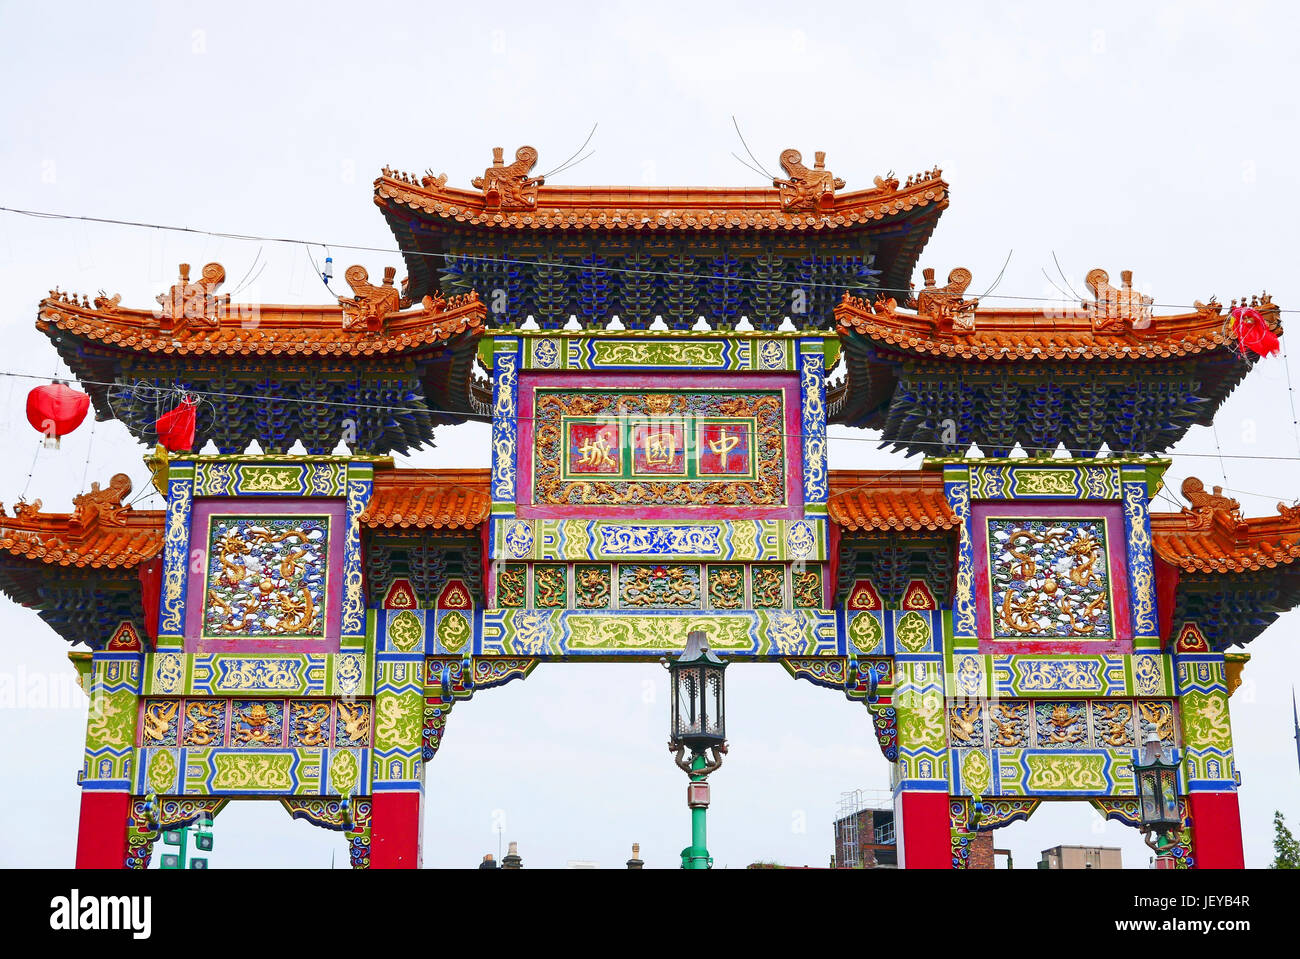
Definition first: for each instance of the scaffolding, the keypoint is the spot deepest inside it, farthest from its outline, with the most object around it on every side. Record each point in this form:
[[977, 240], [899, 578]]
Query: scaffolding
[[848, 842]]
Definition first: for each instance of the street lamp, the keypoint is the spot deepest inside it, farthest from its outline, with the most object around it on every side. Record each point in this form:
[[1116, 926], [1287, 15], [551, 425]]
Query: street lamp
[[1156, 775], [699, 724]]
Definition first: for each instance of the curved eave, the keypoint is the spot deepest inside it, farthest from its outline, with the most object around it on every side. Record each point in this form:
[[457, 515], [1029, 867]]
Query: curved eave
[[268, 331], [1226, 547], [1035, 336], [425, 222], [428, 500]]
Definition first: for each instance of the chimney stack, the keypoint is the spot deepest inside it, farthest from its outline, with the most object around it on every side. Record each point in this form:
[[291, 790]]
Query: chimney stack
[[635, 862], [511, 859]]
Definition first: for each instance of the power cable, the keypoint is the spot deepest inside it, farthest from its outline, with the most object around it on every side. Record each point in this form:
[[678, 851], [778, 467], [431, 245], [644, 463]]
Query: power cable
[[516, 261]]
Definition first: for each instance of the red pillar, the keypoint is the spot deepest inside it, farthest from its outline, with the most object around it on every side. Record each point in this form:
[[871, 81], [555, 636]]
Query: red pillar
[[396, 820], [1216, 830], [924, 831], [102, 830]]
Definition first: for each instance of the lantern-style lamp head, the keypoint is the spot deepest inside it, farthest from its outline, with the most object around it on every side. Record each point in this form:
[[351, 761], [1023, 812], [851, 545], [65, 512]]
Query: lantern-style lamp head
[[1157, 786], [699, 706]]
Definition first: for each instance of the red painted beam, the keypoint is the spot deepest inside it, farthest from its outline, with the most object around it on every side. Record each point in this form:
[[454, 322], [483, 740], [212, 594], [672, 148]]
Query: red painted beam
[[102, 830]]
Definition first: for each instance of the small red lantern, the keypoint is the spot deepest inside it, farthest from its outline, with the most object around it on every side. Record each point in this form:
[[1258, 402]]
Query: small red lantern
[[1253, 333], [56, 410], [176, 427]]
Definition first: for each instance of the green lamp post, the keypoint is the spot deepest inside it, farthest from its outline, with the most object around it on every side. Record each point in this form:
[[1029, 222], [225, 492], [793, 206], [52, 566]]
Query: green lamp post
[[180, 837], [698, 724], [1157, 787]]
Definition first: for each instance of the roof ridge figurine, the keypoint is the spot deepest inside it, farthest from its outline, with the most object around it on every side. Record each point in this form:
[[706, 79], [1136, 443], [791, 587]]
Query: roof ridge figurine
[[508, 186], [805, 189]]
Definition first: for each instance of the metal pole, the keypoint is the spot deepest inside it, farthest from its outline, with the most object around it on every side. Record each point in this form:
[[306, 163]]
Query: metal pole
[[696, 856]]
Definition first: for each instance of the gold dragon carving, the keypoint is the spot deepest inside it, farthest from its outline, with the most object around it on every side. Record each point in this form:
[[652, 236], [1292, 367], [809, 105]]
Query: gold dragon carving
[[1017, 612], [200, 720], [258, 726]]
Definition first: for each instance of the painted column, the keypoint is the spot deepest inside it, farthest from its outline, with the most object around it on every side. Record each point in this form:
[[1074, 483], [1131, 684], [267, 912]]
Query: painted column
[[398, 788], [921, 785], [396, 824], [1208, 766], [109, 763]]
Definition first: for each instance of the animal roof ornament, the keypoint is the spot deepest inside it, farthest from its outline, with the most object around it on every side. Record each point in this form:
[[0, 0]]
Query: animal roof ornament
[[805, 189], [1117, 310], [509, 187]]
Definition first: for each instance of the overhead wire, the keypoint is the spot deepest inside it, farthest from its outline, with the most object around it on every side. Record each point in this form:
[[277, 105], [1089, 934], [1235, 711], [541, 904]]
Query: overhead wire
[[156, 392], [521, 261]]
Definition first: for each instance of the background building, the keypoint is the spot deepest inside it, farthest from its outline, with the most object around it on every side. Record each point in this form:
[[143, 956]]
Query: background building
[[1081, 857], [864, 831]]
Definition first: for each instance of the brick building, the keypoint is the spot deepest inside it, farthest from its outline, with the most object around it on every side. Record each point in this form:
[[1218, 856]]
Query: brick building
[[864, 833]]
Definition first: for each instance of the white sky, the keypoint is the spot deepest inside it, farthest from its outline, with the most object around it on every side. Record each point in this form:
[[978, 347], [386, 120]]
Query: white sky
[[1159, 138]]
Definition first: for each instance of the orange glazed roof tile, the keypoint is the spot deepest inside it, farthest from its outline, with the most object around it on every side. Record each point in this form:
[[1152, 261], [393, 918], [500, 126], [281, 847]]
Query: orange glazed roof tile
[[662, 208], [428, 499], [1116, 325], [260, 330], [1225, 544], [863, 500], [100, 533]]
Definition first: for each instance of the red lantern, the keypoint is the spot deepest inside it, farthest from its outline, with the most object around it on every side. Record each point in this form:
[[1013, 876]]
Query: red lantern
[[1253, 333], [56, 410], [176, 427]]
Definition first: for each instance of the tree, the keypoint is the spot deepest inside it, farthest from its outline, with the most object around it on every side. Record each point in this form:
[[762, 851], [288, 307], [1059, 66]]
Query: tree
[[1286, 848]]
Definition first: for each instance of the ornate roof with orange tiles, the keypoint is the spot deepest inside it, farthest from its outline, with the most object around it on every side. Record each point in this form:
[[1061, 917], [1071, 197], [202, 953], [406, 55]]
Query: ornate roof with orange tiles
[[428, 499], [804, 200], [867, 500], [100, 533], [1219, 540], [1117, 324], [220, 328]]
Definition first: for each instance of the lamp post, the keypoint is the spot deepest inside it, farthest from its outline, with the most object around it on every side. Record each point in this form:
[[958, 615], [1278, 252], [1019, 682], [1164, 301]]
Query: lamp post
[[699, 724], [1156, 775]]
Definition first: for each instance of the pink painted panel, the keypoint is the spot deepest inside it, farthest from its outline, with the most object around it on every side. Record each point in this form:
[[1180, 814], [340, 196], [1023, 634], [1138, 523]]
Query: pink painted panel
[[298, 592], [787, 383], [1051, 588]]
